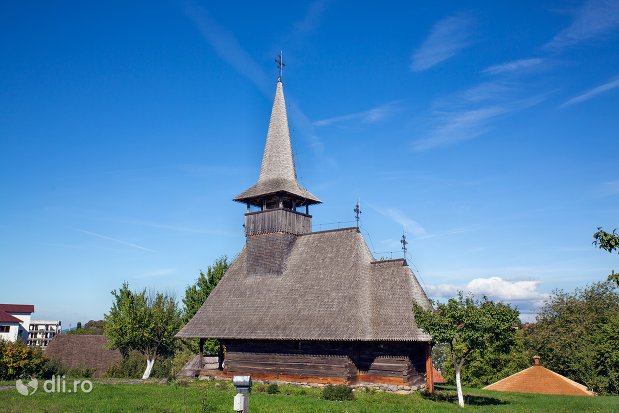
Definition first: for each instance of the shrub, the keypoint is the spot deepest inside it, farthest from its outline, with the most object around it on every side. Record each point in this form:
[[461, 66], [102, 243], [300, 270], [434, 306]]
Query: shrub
[[134, 364], [19, 361], [338, 393], [272, 388]]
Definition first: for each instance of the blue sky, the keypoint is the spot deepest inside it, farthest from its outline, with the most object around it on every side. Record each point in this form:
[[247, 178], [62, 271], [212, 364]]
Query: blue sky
[[488, 132]]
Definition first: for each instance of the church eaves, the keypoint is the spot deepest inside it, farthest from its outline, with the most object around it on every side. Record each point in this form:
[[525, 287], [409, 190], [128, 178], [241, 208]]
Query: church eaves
[[277, 173]]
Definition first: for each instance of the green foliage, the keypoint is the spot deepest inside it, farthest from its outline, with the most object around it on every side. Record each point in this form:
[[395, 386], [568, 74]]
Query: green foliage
[[608, 242], [143, 322], [93, 327], [337, 393], [196, 295], [54, 367], [19, 361], [272, 388], [131, 366], [577, 335], [489, 366], [469, 328]]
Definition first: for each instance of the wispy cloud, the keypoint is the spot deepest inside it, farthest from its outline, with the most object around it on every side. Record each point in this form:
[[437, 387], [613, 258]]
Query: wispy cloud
[[178, 228], [592, 93], [228, 47], [461, 118], [594, 20], [513, 66], [310, 20], [459, 126], [400, 218], [372, 115], [609, 188], [116, 240], [446, 39]]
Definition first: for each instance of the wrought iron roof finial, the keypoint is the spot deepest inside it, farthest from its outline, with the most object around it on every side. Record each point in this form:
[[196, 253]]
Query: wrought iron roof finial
[[280, 64], [404, 243], [357, 211]]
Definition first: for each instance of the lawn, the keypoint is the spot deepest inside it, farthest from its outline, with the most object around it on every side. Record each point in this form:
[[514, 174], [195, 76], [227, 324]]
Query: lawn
[[202, 397]]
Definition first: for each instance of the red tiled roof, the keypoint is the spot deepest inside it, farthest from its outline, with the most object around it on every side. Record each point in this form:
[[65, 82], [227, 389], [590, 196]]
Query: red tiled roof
[[538, 379], [437, 377], [17, 308], [7, 318]]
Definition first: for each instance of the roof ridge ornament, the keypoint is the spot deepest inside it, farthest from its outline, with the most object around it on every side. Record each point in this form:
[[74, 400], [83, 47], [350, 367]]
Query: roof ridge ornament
[[280, 64]]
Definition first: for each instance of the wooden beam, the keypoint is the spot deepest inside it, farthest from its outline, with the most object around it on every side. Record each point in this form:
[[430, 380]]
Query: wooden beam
[[201, 363], [429, 369]]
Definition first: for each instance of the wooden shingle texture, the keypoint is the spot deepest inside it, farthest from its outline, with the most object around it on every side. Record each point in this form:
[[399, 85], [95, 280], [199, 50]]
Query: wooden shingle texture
[[538, 379], [330, 288], [83, 351]]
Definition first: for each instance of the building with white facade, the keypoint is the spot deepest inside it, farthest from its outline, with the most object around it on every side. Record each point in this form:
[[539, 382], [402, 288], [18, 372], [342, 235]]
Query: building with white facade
[[15, 321], [41, 332]]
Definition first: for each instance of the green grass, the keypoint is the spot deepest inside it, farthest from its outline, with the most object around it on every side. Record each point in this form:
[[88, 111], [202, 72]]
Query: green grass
[[205, 397]]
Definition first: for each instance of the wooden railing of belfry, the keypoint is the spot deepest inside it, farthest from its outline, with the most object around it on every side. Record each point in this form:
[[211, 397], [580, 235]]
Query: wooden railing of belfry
[[277, 220]]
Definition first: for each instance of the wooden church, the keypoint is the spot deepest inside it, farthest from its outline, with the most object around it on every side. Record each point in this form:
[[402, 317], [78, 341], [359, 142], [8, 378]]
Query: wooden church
[[310, 307]]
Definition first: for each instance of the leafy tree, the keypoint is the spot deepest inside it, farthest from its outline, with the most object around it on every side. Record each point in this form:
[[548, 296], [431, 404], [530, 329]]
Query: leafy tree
[[469, 328], [143, 322], [489, 366], [93, 327], [196, 295], [577, 335], [608, 242], [79, 325]]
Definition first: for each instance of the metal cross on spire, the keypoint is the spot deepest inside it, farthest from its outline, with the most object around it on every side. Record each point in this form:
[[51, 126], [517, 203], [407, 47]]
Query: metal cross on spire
[[280, 64], [357, 213], [404, 243]]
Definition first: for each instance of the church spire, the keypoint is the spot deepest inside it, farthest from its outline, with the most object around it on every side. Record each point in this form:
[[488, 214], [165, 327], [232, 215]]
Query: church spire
[[277, 174]]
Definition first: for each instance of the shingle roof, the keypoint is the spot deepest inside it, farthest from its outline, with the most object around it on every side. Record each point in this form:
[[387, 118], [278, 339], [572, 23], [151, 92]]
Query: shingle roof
[[7, 318], [17, 308], [277, 173], [330, 289], [538, 379], [83, 351]]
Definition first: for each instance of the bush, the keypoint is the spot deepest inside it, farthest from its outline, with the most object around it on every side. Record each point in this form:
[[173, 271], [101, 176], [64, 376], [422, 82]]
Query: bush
[[133, 366], [338, 393], [54, 367], [272, 388], [19, 361]]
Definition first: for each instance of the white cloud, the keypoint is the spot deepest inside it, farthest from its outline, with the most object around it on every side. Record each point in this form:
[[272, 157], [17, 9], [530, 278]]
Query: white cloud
[[446, 39], [400, 218], [523, 294], [594, 20], [372, 115], [513, 66], [116, 240], [613, 84]]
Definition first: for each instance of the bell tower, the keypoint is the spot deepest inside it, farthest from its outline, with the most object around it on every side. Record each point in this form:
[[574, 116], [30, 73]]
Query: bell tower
[[281, 204]]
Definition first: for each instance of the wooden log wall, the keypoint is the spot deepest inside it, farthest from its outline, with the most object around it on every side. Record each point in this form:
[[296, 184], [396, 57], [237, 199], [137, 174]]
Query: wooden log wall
[[328, 362], [277, 220]]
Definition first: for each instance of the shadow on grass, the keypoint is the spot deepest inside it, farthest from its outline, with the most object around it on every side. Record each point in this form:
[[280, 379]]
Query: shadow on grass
[[443, 395]]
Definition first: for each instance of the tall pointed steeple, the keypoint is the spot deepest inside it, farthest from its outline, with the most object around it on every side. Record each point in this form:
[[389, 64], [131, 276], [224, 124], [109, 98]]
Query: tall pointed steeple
[[278, 176]]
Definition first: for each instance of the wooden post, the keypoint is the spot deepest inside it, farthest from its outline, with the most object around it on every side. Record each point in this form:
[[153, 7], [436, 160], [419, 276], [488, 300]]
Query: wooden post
[[201, 363], [220, 357], [306, 209], [429, 369]]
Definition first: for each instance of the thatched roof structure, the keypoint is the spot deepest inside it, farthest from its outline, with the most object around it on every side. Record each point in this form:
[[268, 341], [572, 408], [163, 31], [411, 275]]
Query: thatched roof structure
[[330, 289], [538, 379], [83, 351]]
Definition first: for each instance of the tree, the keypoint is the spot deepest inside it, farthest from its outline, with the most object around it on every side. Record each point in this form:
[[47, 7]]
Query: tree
[[196, 295], [143, 321], [19, 361], [469, 328], [608, 242], [576, 334], [93, 327]]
